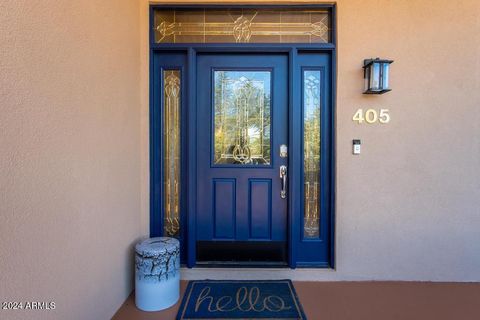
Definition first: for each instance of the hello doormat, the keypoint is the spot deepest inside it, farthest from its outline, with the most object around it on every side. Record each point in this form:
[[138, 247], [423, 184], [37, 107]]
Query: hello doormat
[[238, 299]]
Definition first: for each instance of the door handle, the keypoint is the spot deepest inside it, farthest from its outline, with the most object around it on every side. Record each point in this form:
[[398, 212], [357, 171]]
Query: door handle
[[283, 176]]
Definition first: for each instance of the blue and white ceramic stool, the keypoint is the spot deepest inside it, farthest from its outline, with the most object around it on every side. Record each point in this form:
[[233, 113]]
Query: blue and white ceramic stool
[[157, 273]]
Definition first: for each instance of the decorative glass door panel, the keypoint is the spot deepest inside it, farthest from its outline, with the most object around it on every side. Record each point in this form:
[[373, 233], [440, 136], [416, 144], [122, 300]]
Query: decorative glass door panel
[[242, 117]]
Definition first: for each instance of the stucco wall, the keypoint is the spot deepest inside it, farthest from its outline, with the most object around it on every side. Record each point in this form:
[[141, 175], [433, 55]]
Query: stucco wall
[[408, 208], [70, 155], [74, 150]]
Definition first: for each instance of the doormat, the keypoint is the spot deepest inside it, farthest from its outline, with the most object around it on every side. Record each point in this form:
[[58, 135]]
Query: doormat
[[239, 299]]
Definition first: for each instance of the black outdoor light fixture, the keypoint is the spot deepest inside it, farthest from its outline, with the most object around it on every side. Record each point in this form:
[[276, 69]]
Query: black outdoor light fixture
[[375, 75]]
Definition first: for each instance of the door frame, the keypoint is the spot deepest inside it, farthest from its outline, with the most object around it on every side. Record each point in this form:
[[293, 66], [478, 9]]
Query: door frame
[[189, 120]]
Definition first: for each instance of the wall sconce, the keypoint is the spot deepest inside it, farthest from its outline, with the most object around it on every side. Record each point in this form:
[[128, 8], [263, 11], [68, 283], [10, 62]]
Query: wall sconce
[[375, 75]]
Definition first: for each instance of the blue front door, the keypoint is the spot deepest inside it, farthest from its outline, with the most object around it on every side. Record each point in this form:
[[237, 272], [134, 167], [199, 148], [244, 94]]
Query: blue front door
[[242, 123]]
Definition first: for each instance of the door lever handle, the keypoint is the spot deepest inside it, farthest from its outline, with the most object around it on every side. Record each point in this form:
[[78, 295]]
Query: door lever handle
[[283, 176]]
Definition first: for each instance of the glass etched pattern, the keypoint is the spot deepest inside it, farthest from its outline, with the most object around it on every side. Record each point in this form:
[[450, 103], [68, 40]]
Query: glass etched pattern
[[242, 117], [311, 153], [171, 152], [242, 25]]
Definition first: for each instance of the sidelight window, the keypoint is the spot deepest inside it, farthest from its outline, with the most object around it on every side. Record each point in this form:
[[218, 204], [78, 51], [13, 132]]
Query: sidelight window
[[311, 152], [171, 152]]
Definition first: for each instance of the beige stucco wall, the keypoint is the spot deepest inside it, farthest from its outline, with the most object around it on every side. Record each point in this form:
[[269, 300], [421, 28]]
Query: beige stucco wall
[[74, 150], [408, 208], [70, 155]]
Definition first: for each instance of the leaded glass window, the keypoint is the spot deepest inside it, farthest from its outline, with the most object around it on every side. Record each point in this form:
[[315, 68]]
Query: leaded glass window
[[267, 25], [311, 152], [171, 152], [242, 117]]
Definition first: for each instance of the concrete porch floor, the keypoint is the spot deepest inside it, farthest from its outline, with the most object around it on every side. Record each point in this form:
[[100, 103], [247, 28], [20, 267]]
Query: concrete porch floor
[[362, 300]]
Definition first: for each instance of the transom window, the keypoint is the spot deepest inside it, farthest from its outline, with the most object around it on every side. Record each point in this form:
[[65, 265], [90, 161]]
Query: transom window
[[260, 25]]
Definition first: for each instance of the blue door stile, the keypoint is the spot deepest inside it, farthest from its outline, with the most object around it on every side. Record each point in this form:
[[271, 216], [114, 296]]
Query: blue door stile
[[239, 203]]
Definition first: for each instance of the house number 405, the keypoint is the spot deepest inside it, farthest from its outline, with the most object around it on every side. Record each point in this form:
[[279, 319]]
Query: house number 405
[[372, 116]]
